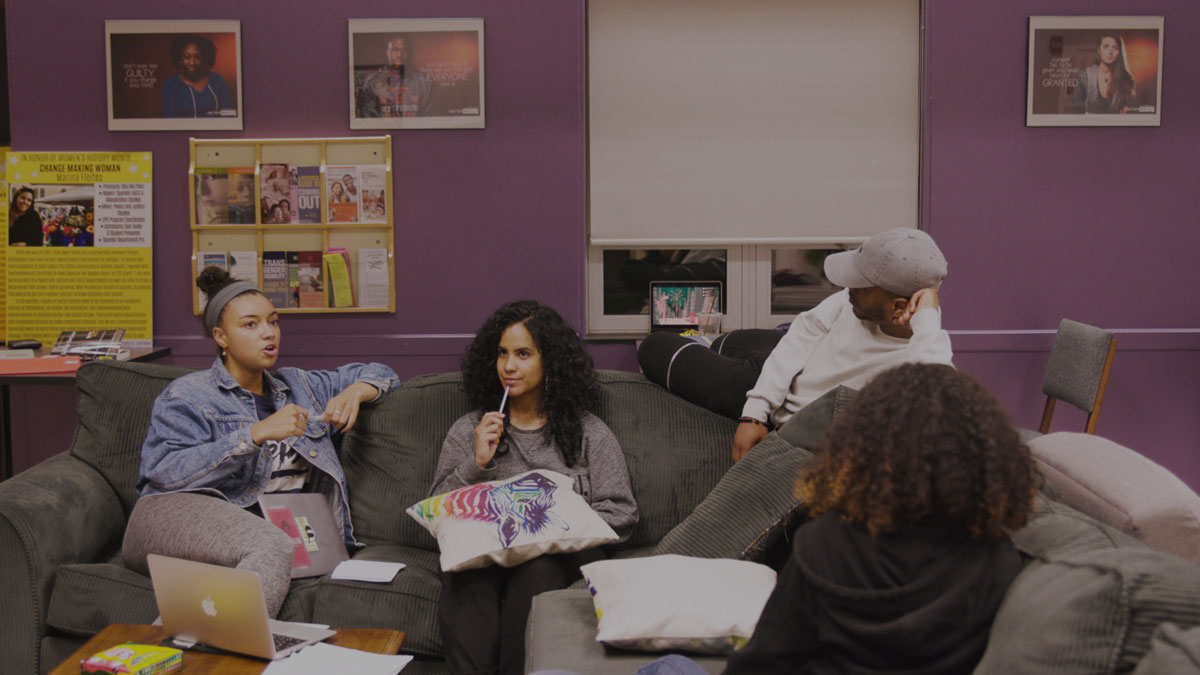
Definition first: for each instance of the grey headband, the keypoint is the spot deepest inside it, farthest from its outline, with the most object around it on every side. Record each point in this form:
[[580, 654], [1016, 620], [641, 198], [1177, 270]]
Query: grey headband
[[216, 304]]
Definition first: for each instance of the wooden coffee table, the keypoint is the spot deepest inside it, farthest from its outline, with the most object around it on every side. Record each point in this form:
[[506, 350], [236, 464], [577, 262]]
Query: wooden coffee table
[[377, 640]]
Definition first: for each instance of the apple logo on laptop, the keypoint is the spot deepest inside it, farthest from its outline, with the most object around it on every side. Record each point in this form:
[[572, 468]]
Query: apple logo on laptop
[[210, 607]]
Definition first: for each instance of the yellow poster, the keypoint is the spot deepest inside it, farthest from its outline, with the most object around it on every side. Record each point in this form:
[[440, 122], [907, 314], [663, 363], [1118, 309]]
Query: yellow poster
[[79, 253], [3, 228]]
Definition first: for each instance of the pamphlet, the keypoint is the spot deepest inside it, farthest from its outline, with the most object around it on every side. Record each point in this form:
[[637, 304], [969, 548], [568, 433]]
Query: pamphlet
[[373, 277], [308, 194], [311, 279], [212, 195], [275, 277], [241, 195], [339, 278], [342, 191], [373, 181]]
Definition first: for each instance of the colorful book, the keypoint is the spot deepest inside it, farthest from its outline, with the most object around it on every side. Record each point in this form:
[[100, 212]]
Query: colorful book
[[212, 195], [275, 277], [372, 179], [338, 272], [134, 659], [241, 195], [276, 189], [293, 271], [311, 279], [308, 194], [342, 193]]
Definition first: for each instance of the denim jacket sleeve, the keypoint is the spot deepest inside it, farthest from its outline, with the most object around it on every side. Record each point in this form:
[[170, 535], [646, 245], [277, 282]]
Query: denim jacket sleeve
[[329, 383], [187, 449]]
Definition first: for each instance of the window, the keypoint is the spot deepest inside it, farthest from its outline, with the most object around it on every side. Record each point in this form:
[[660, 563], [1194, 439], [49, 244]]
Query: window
[[749, 126]]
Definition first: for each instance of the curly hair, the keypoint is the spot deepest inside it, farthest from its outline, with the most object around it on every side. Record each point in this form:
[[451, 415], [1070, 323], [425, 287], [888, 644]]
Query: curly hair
[[568, 376], [208, 51], [923, 444]]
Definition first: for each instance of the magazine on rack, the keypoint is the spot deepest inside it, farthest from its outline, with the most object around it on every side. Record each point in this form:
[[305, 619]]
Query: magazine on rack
[[89, 345]]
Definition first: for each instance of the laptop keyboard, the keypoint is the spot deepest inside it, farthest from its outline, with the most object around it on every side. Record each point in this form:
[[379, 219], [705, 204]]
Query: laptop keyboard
[[282, 642]]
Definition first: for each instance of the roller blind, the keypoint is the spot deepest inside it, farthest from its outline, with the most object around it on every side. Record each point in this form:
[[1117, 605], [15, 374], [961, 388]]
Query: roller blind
[[752, 121]]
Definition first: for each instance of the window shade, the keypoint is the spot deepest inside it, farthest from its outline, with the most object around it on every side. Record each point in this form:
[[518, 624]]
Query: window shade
[[752, 121]]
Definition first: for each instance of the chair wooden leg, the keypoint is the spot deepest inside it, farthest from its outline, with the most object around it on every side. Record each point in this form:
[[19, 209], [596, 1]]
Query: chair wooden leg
[[1094, 415], [1047, 413]]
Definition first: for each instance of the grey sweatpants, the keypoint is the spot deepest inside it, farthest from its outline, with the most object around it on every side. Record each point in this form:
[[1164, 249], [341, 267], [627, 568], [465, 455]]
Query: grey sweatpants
[[211, 530]]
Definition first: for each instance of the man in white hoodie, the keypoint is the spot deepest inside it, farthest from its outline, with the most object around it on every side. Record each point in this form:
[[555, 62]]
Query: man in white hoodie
[[888, 314]]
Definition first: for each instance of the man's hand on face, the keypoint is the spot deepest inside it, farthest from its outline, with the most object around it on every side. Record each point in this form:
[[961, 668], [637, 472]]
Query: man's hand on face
[[926, 297]]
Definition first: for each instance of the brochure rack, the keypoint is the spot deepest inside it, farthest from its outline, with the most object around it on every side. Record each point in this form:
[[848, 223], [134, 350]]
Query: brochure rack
[[328, 226]]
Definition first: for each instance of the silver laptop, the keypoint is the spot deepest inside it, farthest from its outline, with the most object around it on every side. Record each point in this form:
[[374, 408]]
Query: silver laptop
[[307, 519], [223, 607]]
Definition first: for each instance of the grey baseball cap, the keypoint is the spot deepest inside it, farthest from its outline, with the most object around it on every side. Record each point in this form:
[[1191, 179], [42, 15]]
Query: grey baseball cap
[[901, 261]]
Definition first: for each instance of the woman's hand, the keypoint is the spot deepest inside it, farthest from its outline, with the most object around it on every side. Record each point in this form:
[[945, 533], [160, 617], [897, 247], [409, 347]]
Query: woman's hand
[[290, 420], [342, 410], [487, 437]]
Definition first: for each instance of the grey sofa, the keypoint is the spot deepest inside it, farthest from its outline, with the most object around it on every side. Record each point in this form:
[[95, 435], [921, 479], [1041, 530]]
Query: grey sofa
[[1110, 583], [62, 521]]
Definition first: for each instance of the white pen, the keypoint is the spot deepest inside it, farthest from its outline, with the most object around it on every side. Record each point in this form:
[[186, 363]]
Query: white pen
[[504, 399]]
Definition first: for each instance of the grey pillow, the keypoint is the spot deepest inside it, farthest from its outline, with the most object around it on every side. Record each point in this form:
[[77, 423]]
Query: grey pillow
[[1088, 602], [1122, 489], [748, 500], [808, 426]]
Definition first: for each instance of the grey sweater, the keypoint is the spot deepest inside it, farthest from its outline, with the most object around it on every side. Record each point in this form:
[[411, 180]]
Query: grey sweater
[[600, 474]]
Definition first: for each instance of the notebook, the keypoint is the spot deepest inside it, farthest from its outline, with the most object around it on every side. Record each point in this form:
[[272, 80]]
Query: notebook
[[223, 607], [307, 519], [676, 305]]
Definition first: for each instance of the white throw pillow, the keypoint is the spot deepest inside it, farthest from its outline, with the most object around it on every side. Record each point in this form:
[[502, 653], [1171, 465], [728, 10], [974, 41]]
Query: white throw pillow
[[508, 522], [674, 602]]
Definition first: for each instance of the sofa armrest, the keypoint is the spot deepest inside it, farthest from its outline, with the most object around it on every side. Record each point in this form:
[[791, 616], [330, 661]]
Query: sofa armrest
[[59, 511]]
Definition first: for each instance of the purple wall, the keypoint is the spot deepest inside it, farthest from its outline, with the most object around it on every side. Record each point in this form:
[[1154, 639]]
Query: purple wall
[[1097, 224]]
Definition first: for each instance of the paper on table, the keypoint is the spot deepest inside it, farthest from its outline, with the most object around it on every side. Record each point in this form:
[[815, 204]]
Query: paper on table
[[367, 570], [322, 658]]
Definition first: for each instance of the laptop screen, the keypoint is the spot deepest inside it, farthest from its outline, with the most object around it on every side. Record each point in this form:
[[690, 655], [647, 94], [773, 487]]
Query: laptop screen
[[675, 305]]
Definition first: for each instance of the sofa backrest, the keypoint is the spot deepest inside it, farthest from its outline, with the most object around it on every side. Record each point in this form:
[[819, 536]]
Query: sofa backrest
[[113, 406], [676, 453]]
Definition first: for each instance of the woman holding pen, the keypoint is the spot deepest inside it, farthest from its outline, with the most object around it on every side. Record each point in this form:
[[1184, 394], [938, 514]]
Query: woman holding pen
[[532, 386], [221, 437]]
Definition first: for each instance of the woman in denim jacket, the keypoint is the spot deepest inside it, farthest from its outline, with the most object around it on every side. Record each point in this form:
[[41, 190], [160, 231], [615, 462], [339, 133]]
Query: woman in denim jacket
[[235, 431]]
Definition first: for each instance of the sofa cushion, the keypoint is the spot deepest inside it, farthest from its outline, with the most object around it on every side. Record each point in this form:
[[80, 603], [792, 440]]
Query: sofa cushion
[[1123, 489], [1081, 606], [678, 603], [676, 451], [111, 428], [807, 428], [511, 521], [561, 634], [391, 453], [408, 603], [1173, 651], [754, 494], [88, 598]]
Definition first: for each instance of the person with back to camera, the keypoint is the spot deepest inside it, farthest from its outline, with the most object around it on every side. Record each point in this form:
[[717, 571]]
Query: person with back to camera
[[24, 223], [527, 348], [887, 314], [221, 437], [907, 556], [195, 91], [1106, 86]]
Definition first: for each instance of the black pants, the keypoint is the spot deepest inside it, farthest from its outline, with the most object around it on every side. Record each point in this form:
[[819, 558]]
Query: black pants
[[716, 378], [484, 611]]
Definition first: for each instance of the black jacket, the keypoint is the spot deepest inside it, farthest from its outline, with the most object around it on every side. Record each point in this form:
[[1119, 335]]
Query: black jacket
[[918, 600]]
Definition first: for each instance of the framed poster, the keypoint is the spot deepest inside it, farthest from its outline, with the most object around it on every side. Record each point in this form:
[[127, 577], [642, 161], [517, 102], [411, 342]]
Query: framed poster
[[174, 75], [416, 74], [1094, 71]]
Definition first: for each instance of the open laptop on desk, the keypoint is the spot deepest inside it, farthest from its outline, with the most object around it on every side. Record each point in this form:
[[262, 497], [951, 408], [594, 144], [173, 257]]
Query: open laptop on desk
[[223, 607], [675, 306]]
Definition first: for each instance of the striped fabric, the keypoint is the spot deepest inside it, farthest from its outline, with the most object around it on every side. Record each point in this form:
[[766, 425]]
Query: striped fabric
[[748, 500], [111, 427], [1089, 601]]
